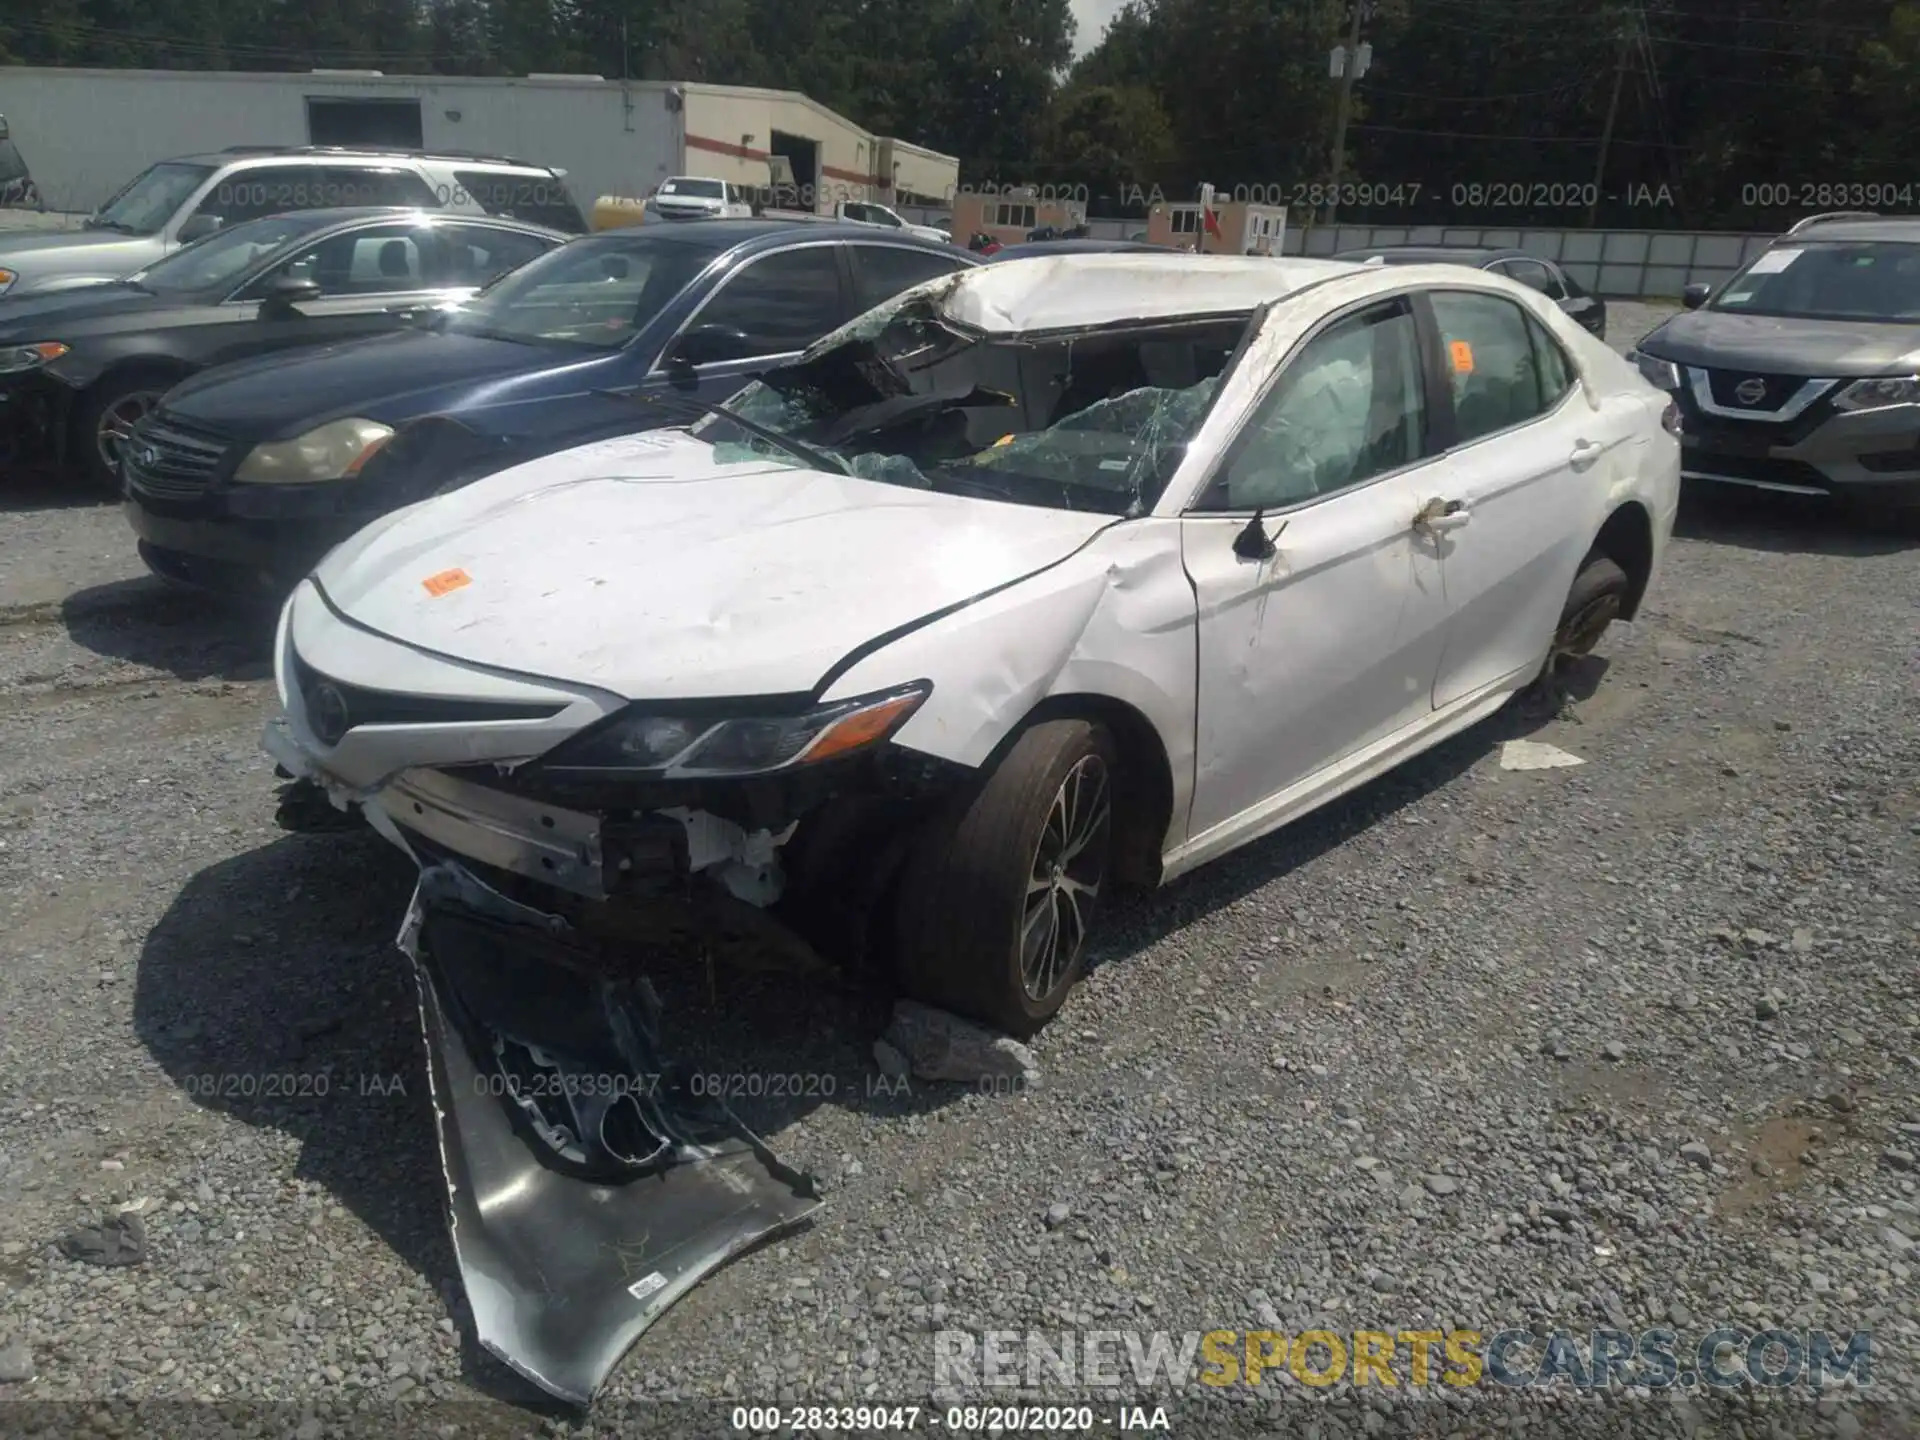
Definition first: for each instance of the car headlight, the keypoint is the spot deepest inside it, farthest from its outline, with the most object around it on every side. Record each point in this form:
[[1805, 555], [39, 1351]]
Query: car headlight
[[334, 451], [1879, 394], [700, 746], [1661, 374], [17, 358], [7, 280]]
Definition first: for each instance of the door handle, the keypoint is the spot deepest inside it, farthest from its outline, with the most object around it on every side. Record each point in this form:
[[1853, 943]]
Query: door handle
[[1584, 454], [1438, 515]]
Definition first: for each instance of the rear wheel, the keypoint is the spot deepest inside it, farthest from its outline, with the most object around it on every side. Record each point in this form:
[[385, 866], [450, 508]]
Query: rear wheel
[[1001, 892], [104, 417]]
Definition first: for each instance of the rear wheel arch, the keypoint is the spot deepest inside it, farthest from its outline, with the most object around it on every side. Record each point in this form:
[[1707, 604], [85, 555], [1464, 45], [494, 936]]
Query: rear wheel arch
[[1143, 779], [1627, 539]]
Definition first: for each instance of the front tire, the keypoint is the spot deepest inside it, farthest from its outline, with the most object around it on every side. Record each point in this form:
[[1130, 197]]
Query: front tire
[[1001, 892], [1598, 598], [104, 416]]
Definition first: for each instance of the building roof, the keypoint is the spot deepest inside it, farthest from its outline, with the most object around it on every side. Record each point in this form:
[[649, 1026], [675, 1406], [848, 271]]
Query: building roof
[[1075, 291]]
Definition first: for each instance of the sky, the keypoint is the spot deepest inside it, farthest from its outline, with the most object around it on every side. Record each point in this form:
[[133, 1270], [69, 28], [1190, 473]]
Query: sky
[[1092, 17]]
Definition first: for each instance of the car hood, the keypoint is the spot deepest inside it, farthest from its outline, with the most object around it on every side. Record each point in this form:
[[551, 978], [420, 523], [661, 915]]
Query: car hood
[[649, 567], [40, 255], [1771, 345], [55, 316], [389, 378]]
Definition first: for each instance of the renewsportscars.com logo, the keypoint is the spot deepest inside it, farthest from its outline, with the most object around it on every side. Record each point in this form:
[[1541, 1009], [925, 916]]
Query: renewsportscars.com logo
[[1133, 1360]]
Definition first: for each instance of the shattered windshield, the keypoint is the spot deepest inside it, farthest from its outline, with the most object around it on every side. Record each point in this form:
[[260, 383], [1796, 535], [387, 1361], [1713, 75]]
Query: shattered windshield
[[1094, 421]]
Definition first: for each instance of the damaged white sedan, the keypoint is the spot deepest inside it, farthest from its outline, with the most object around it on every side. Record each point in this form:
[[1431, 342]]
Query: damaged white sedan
[[1060, 574]]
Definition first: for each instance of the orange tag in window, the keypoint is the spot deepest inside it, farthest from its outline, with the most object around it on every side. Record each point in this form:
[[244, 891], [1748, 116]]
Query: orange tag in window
[[446, 582], [1462, 354]]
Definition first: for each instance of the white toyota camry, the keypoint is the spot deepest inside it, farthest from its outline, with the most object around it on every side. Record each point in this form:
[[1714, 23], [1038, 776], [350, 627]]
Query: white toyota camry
[[1045, 577]]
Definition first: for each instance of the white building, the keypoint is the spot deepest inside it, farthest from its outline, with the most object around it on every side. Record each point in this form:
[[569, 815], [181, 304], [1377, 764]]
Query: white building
[[85, 133]]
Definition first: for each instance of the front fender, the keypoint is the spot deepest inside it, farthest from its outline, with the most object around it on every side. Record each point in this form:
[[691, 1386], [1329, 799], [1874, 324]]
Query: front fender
[[1116, 620]]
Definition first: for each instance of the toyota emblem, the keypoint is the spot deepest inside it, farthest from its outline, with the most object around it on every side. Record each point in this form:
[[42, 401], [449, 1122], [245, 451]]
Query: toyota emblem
[[1750, 391], [149, 457], [328, 712]]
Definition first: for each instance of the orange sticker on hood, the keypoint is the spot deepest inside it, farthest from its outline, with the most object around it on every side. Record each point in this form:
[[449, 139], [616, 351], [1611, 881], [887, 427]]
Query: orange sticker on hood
[[446, 582], [1462, 354]]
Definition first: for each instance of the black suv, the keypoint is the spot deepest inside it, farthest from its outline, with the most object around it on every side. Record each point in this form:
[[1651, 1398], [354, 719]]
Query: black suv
[[1802, 372]]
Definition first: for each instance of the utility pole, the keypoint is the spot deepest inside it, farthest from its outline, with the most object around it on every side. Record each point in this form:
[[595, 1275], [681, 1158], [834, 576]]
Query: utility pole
[[1606, 130], [1349, 72]]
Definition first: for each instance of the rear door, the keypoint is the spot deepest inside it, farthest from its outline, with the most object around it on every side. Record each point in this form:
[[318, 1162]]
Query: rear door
[[882, 271], [1526, 457], [763, 313], [473, 255], [371, 278]]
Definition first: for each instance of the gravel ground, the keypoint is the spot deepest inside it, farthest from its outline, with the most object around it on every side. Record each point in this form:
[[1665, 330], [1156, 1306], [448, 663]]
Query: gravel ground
[[1628, 1044]]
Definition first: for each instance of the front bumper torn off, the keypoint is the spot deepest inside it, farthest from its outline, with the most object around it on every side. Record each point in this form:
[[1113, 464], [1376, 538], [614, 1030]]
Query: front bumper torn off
[[587, 1189]]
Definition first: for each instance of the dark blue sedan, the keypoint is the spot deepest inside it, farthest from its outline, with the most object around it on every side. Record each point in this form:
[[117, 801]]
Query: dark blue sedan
[[242, 477]]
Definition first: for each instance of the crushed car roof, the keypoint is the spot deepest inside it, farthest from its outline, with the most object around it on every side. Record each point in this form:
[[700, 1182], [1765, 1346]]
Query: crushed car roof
[[1075, 291]]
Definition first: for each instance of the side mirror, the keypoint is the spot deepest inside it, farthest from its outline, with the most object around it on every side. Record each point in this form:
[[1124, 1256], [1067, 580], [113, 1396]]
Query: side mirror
[[709, 345], [1696, 295], [286, 293], [199, 227]]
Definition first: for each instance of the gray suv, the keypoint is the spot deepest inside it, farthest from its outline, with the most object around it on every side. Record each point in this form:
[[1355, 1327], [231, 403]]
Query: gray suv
[[179, 201], [1802, 373]]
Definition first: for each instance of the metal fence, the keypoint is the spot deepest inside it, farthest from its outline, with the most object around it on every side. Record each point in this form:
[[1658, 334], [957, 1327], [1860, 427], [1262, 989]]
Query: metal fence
[[1618, 264]]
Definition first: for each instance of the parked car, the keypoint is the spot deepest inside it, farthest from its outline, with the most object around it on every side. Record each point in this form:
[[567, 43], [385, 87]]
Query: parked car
[[1799, 375], [78, 368], [697, 197], [17, 190], [245, 475], [179, 201], [861, 212], [1589, 311], [1049, 578]]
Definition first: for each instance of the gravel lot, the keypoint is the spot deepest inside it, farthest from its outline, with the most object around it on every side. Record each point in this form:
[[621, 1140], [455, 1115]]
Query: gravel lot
[[1634, 1043]]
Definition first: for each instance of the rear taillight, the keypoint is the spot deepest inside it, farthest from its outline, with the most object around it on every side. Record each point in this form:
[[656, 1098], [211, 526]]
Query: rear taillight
[[1670, 418]]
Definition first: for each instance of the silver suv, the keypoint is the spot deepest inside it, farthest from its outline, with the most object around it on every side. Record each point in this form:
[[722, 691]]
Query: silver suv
[[1802, 372], [179, 201]]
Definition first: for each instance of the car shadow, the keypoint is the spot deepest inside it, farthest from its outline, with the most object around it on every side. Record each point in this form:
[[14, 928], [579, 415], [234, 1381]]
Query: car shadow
[[34, 486], [271, 991], [188, 635], [1782, 524], [1141, 920]]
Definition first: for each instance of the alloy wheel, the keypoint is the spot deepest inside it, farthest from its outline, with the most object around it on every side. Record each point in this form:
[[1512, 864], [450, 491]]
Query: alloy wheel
[[117, 422], [1069, 865]]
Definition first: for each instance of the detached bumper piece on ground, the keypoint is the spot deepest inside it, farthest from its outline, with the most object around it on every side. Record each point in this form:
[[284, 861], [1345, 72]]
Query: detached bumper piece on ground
[[587, 1188]]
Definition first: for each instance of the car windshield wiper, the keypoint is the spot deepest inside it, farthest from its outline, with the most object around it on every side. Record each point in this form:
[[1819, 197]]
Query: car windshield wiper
[[118, 226], [818, 459]]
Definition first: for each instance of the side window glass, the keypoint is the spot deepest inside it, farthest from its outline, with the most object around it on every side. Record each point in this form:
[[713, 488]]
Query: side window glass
[[384, 260], [266, 190], [476, 255], [1348, 407], [1489, 355], [781, 302], [1556, 371], [883, 271]]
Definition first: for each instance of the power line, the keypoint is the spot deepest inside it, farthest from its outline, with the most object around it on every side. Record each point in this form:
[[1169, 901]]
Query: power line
[[1480, 99], [1496, 135]]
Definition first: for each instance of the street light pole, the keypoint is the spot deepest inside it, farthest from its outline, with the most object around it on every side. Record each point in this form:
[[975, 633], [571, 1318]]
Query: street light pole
[[1349, 72]]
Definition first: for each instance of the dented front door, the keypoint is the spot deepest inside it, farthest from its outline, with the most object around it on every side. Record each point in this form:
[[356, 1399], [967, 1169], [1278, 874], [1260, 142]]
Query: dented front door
[[1322, 617]]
